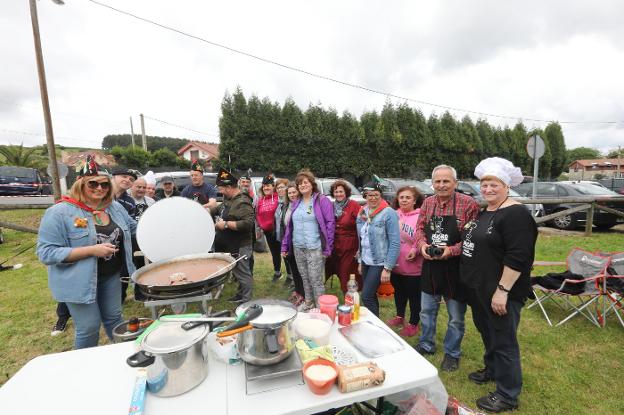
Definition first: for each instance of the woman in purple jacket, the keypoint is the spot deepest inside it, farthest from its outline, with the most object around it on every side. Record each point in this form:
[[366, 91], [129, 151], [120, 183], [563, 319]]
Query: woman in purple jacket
[[310, 234]]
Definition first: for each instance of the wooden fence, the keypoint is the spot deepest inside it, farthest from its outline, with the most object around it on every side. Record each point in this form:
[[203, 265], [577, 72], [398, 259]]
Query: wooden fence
[[587, 203]]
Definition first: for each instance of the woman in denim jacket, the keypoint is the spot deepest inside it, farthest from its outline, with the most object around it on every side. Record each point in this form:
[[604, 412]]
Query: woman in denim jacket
[[310, 234], [380, 243], [85, 240]]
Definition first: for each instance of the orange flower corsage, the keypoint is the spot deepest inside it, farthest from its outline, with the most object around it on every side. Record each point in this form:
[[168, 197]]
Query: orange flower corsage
[[80, 222]]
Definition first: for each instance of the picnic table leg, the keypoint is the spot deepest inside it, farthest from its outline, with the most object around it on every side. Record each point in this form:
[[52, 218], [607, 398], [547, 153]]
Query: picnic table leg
[[378, 409]]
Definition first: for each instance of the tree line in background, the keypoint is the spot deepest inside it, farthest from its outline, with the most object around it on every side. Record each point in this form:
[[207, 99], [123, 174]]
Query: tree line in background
[[399, 141], [154, 143], [137, 158]]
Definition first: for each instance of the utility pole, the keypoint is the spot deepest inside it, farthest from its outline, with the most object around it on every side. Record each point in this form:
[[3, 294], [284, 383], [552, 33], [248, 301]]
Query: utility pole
[[143, 133], [619, 172], [43, 89], [132, 132]]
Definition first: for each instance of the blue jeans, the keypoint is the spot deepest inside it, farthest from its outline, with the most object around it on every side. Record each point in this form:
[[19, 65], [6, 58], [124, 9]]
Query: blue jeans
[[371, 277], [106, 310], [429, 306]]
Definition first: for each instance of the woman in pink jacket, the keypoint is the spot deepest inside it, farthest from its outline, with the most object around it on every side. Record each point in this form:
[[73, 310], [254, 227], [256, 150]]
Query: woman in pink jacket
[[405, 277]]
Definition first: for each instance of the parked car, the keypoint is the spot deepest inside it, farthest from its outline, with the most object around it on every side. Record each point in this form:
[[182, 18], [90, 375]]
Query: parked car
[[584, 182], [325, 183], [181, 179], [474, 189], [18, 181], [391, 185], [559, 190]]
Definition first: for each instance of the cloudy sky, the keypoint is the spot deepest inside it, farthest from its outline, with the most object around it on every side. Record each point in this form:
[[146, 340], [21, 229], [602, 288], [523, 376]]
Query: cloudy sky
[[531, 60]]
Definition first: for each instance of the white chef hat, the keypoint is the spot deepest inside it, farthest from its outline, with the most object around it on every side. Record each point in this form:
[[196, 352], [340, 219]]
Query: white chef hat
[[501, 169], [150, 177]]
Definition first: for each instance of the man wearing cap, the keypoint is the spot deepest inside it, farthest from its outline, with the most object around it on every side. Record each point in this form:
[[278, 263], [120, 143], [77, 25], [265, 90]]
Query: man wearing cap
[[438, 238], [168, 189], [198, 190], [234, 225], [244, 183], [123, 179]]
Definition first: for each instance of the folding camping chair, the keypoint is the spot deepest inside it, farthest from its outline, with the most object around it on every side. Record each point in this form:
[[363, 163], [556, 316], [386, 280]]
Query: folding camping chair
[[614, 286], [575, 296]]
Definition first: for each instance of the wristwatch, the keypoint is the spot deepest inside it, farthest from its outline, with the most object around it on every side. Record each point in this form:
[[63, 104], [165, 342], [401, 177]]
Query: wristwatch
[[225, 225], [502, 288]]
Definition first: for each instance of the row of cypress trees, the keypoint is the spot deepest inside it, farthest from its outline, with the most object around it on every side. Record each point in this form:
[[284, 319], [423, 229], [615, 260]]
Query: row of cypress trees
[[398, 141]]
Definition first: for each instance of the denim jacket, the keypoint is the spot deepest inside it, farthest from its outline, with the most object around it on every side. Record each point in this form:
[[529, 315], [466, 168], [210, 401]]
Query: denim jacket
[[384, 237], [76, 282]]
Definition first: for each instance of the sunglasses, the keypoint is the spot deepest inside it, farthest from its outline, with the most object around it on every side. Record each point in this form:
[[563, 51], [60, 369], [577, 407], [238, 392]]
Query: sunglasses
[[95, 184]]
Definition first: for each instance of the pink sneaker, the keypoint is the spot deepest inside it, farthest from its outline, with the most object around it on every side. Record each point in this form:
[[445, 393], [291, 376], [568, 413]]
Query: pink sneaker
[[409, 330], [396, 322]]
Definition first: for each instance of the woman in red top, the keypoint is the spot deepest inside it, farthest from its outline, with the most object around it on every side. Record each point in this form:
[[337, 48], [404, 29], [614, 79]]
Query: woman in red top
[[343, 260], [265, 218]]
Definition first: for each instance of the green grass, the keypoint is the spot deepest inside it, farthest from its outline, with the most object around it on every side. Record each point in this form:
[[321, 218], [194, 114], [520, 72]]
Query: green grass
[[573, 369]]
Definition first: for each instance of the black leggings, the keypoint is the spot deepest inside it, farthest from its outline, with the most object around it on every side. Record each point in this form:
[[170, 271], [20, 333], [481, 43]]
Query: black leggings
[[62, 311], [406, 288], [275, 247], [290, 259]]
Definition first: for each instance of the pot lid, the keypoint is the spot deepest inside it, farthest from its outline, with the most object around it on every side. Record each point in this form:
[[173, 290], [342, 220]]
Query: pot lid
[[274, 312], [171, 337], [170, 228]]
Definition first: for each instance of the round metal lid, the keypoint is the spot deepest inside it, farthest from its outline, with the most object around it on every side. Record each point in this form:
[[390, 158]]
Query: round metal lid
[[169, 229], [274, 312], [171, 337]]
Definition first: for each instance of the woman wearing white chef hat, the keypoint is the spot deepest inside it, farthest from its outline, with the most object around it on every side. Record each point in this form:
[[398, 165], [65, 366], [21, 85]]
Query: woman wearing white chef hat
[[497, 253]]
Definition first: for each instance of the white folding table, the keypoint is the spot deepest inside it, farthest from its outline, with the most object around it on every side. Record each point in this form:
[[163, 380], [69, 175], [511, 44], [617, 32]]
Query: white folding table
[[98, 381]]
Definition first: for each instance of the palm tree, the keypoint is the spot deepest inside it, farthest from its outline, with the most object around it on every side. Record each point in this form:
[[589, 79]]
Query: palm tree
[[23, 157]]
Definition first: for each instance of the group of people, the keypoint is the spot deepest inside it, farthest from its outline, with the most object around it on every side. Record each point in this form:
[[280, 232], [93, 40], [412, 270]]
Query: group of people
[[440, 249]]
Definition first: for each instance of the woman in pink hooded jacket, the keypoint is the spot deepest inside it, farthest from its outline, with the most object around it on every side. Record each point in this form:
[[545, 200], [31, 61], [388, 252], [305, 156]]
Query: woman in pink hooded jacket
[[405, 277]]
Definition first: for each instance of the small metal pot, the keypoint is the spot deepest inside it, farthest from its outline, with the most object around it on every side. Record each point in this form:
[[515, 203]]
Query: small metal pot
[[176, 359], [272, 337]]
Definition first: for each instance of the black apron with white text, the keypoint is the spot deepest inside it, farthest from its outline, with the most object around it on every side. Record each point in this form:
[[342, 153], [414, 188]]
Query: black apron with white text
[[441, 277]]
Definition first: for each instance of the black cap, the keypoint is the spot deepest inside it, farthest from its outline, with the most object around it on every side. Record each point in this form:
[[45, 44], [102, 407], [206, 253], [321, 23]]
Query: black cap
[[225, 178], [372, 186], [125, 171], [166, 179], [268, 179]]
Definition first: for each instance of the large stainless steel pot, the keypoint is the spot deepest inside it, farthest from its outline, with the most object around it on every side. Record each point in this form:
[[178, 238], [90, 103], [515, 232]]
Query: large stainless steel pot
[[176, 359], [272, 337]]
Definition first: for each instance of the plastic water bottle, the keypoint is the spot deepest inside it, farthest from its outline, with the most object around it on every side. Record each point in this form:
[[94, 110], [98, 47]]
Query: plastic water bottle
[[352, 297]]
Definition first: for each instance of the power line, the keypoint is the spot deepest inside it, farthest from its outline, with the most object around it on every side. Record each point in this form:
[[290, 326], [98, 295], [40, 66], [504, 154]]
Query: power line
[[338, 81], [4, 130], [181, 126]]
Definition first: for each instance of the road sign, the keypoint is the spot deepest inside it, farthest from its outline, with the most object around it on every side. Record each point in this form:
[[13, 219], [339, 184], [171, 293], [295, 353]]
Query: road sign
[[535, 146], [62, 170]]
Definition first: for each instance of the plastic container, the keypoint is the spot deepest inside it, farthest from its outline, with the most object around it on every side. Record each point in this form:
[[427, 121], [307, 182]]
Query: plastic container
[[344, 315], [317, 386], [315, 327], [328, 304]]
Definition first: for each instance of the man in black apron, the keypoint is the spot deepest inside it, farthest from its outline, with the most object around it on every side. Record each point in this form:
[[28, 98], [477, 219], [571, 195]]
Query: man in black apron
[[439, 240], [234, 226]]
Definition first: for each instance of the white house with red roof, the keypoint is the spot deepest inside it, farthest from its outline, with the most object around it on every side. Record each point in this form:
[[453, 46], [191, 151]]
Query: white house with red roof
[[195, 150], [588, 169]]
